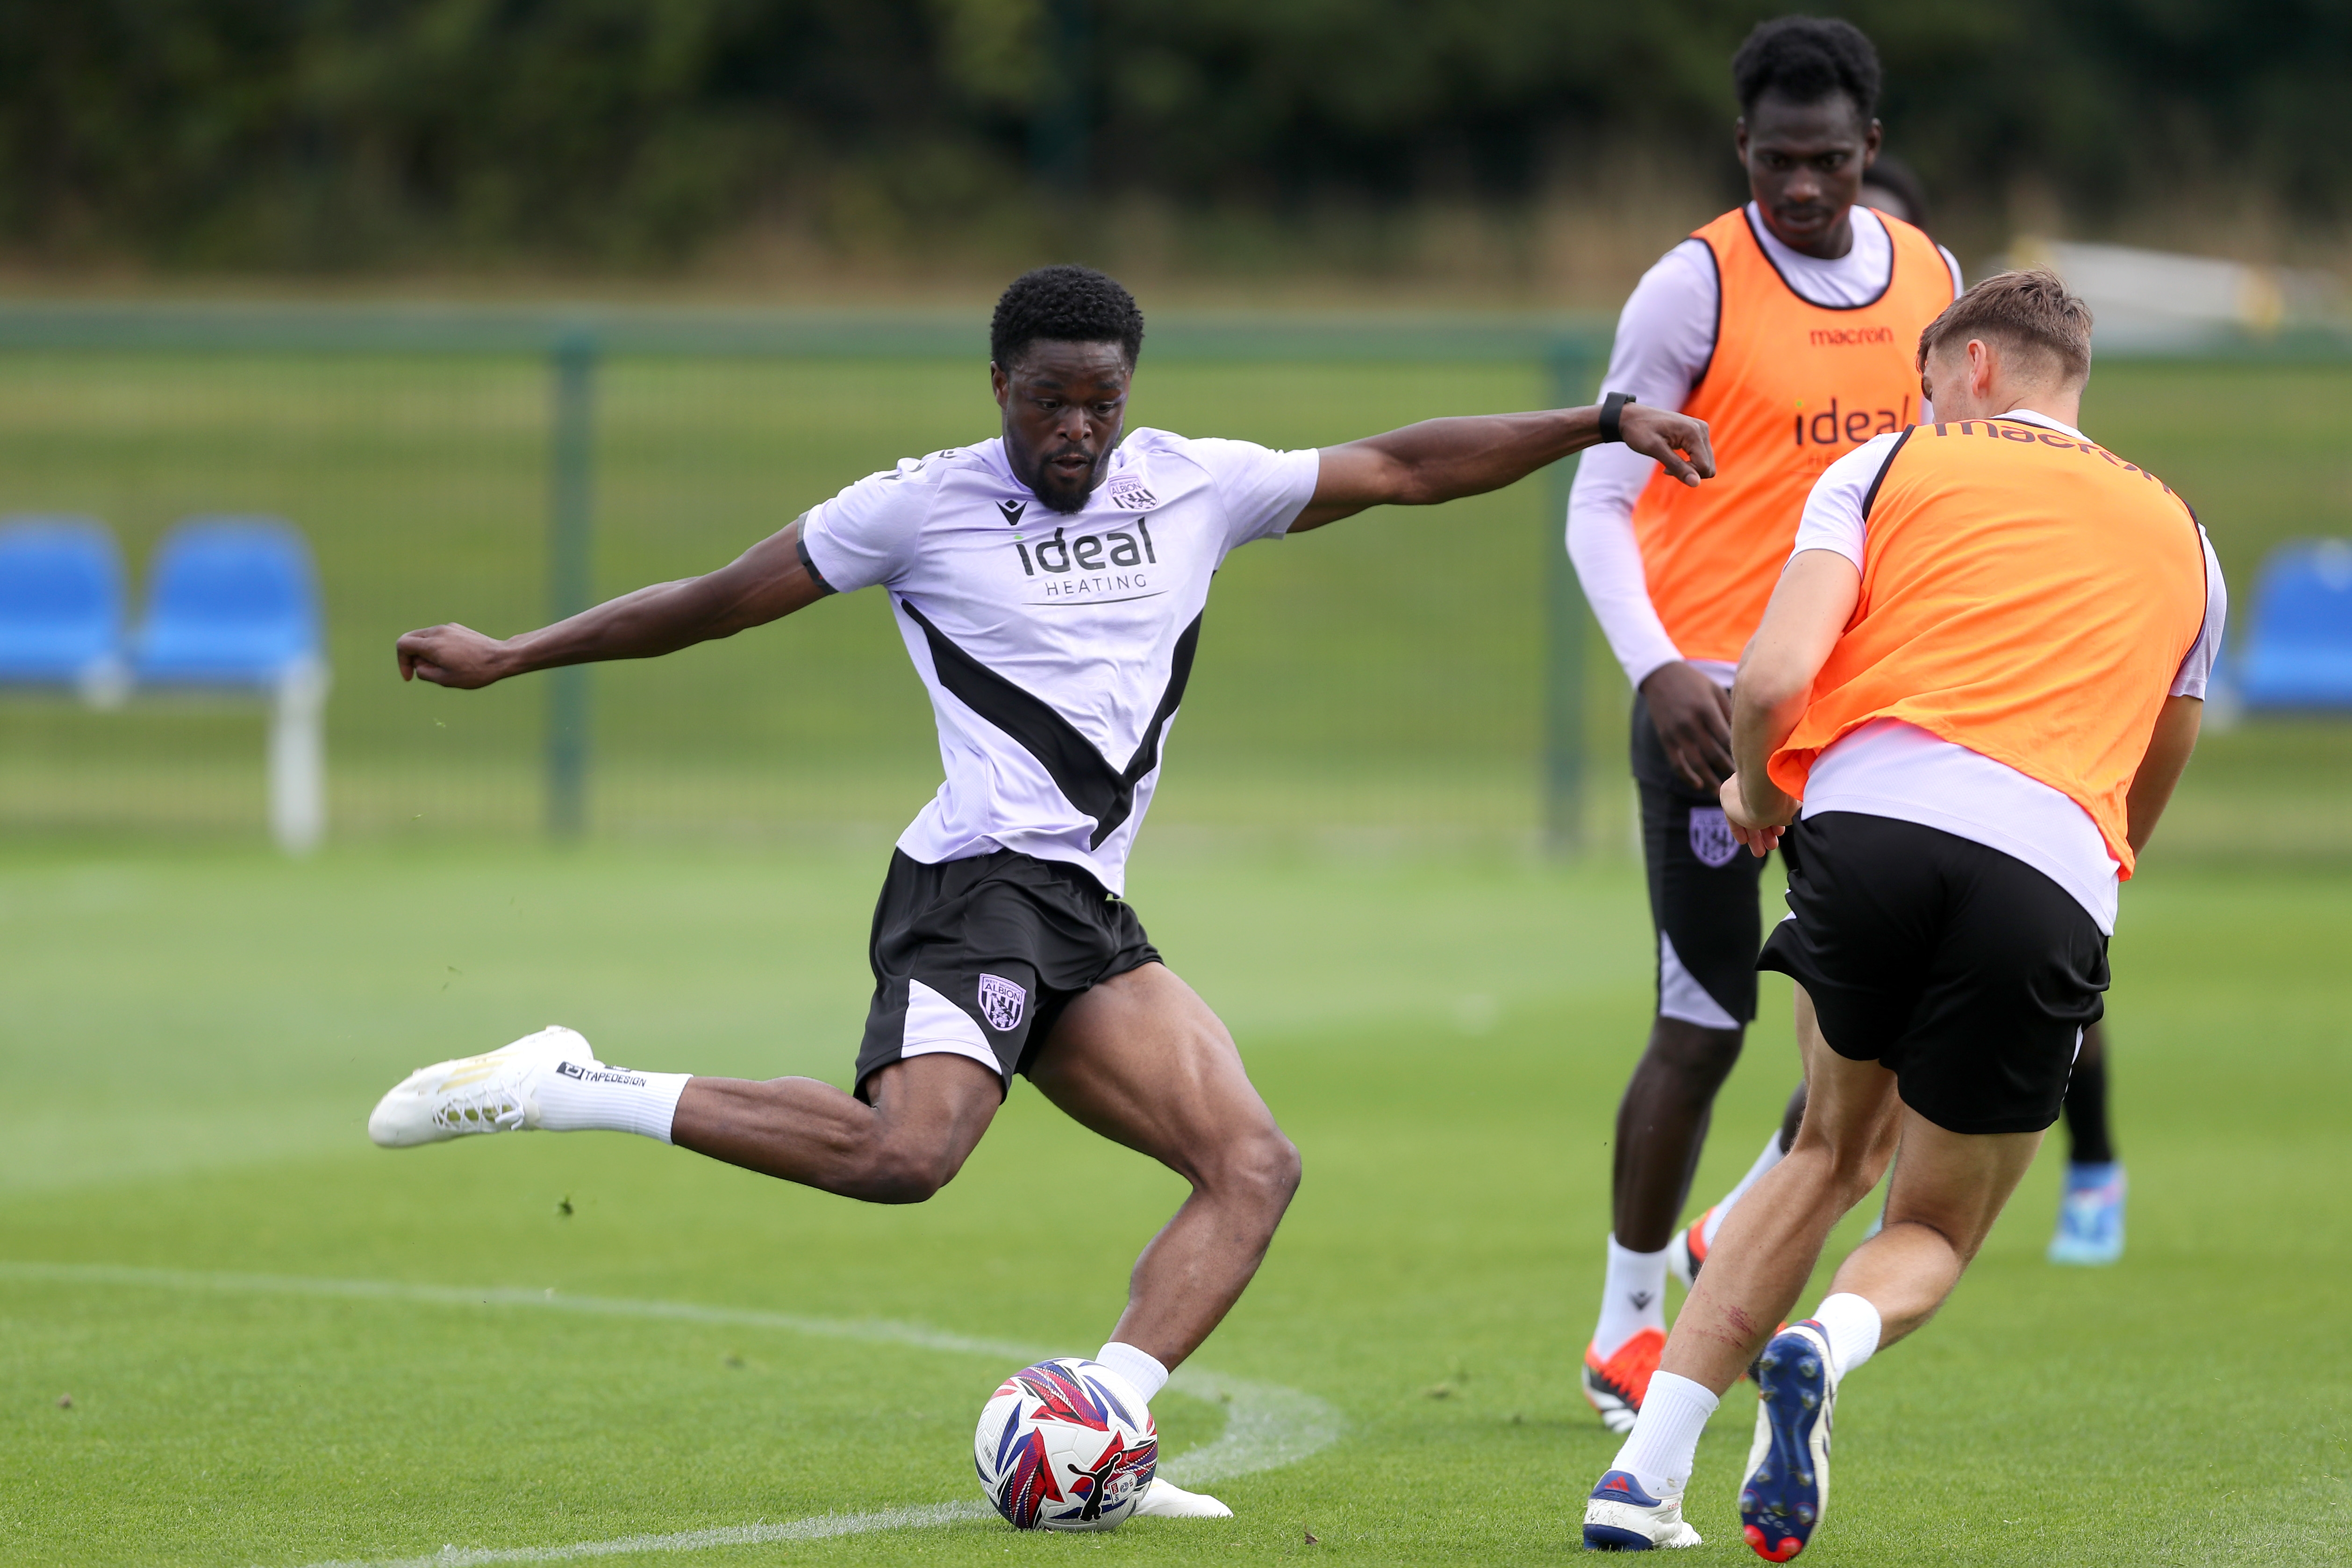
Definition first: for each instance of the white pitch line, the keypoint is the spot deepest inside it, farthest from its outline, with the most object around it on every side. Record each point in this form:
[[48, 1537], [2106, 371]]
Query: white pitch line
[[820, 1528], [1267, 1426]]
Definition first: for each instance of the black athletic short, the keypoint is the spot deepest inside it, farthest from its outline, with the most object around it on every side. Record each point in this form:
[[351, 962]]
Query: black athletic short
[[1703, 885], [980, 956], [1966, 971]]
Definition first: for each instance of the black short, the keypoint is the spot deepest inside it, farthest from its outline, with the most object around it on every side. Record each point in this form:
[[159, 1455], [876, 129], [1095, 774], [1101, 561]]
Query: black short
[[979, 957], [1966, 971], [1703, 890]]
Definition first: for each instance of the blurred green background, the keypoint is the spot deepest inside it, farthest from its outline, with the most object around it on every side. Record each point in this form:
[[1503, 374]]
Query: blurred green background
[[1381, 681]]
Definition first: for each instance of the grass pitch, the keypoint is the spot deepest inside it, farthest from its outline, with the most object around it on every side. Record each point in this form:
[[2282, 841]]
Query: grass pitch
[[191, 1039]]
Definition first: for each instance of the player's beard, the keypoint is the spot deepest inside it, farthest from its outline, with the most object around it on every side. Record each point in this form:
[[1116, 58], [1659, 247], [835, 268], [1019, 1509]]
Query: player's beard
[[1060, 495]]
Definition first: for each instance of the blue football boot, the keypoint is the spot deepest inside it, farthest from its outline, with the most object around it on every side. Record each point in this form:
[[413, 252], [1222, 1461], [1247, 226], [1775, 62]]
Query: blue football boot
[[2091, 1216], [1788, 1487]]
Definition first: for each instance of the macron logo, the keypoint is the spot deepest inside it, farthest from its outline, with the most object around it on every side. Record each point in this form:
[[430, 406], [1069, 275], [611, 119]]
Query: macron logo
[[600, 1074]]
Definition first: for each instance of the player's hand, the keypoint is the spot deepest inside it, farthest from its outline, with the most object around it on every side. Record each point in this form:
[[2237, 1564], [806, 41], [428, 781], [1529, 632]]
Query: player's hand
[[451, 656], [1693, 716], [1665, 435], [1758, 828]]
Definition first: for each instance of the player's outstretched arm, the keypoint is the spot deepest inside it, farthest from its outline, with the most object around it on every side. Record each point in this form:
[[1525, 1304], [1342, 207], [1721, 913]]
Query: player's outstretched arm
[[765, 583], [1445, 459]]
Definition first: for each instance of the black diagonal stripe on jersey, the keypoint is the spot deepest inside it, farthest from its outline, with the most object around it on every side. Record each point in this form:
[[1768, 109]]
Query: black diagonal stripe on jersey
[[1083, 775]]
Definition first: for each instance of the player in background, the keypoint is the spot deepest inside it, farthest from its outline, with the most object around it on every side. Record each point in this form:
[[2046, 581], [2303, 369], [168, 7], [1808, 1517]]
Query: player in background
[[1788, 325], [1977, 683], [1049, 584], [2091, 1210]]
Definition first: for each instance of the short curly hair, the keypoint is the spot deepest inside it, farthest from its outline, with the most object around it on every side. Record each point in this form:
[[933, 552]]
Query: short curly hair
[[1806, 59], [1064, 304]]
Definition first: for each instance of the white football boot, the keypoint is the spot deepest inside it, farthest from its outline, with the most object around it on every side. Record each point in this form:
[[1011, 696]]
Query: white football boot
[[1163, 1499], [1620, 1517], [490, 1093]]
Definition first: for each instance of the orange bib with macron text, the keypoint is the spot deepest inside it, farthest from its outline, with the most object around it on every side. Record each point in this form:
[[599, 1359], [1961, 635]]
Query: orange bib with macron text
[[2024, 594]]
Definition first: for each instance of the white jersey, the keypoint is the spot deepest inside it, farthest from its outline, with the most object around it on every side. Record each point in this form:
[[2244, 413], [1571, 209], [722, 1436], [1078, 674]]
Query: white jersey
[[1890, 768], [1055, 646]]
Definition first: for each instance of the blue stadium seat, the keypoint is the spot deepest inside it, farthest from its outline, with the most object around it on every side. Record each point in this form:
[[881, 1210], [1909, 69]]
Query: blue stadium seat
[[231, 601], [60, 603], [2299, 654]]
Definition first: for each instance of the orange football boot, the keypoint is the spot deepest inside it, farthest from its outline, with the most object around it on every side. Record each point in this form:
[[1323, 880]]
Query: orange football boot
[[1616, 1386]]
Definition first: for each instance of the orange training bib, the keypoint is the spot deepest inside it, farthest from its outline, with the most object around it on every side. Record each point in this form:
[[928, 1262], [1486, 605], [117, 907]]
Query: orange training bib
[[2024, 594], [1792, 387]]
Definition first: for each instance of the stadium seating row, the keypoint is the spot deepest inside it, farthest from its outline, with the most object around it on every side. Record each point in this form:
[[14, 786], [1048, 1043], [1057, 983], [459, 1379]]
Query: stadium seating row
[[232, 607], [2298, 654]]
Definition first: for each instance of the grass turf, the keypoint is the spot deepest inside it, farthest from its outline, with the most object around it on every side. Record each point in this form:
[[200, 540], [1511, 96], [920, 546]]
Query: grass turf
[[191, 1039]]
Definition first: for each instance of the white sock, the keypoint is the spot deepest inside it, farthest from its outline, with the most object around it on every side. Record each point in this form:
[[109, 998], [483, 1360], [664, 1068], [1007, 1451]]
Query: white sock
[[1852, 1325], [1663, 1444], [594, 1098], [1772, 1155], [1633, 1298], [1140, 1370]]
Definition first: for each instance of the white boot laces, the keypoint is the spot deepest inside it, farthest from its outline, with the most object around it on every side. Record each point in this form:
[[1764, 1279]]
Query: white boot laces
[[491, 1104]]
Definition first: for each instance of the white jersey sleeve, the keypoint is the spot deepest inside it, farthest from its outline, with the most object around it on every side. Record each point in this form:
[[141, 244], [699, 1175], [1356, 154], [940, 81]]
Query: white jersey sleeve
[[1262, 490], [1665, 336], [866, 534], [1833, 518], [2197, 669]]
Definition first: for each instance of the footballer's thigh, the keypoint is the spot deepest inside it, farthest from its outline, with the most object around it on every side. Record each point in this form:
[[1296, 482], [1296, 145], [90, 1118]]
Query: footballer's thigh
[[1141, 1060]]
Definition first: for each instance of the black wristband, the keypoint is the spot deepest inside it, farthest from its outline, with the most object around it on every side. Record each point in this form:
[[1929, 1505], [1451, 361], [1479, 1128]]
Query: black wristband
[[1612, 408]]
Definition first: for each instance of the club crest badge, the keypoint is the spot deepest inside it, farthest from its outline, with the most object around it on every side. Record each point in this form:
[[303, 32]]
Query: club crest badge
[[1128, 493], [1710, 836], [1001, 1003]]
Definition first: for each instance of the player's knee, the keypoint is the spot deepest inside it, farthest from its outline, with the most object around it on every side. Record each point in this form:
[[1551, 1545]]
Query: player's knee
[[1262, 1164], [1274, 1167], [1694, 1055]]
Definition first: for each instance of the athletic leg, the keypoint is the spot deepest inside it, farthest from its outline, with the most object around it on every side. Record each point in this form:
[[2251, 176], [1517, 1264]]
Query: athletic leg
[[1947, 1193], [1141, 1060], [1661, 1126], [1703, 905], [1770, 1242], [1687, 1254], [2091, 1213], [2089, 1140], [927, 1114]]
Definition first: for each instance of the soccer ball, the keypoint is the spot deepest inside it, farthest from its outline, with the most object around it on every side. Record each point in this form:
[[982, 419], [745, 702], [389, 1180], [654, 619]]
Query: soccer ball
[[1064, 1445]]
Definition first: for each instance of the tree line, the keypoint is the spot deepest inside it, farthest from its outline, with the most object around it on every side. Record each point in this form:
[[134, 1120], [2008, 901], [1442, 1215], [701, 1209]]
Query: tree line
[[337, 133]]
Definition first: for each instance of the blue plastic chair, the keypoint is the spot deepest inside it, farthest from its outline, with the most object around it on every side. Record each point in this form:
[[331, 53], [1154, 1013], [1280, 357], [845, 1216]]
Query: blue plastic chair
[[2298, 655], [60, 601], [231, 601]]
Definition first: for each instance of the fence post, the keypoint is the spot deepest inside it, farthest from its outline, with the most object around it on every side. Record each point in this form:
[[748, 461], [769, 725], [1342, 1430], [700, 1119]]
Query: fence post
[[571, 514], [1570, 362]]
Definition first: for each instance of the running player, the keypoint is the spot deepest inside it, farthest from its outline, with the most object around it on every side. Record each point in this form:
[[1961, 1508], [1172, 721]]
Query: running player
[[1978, 680], [1787, 324], [2091, 1210], [1049, 584]]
